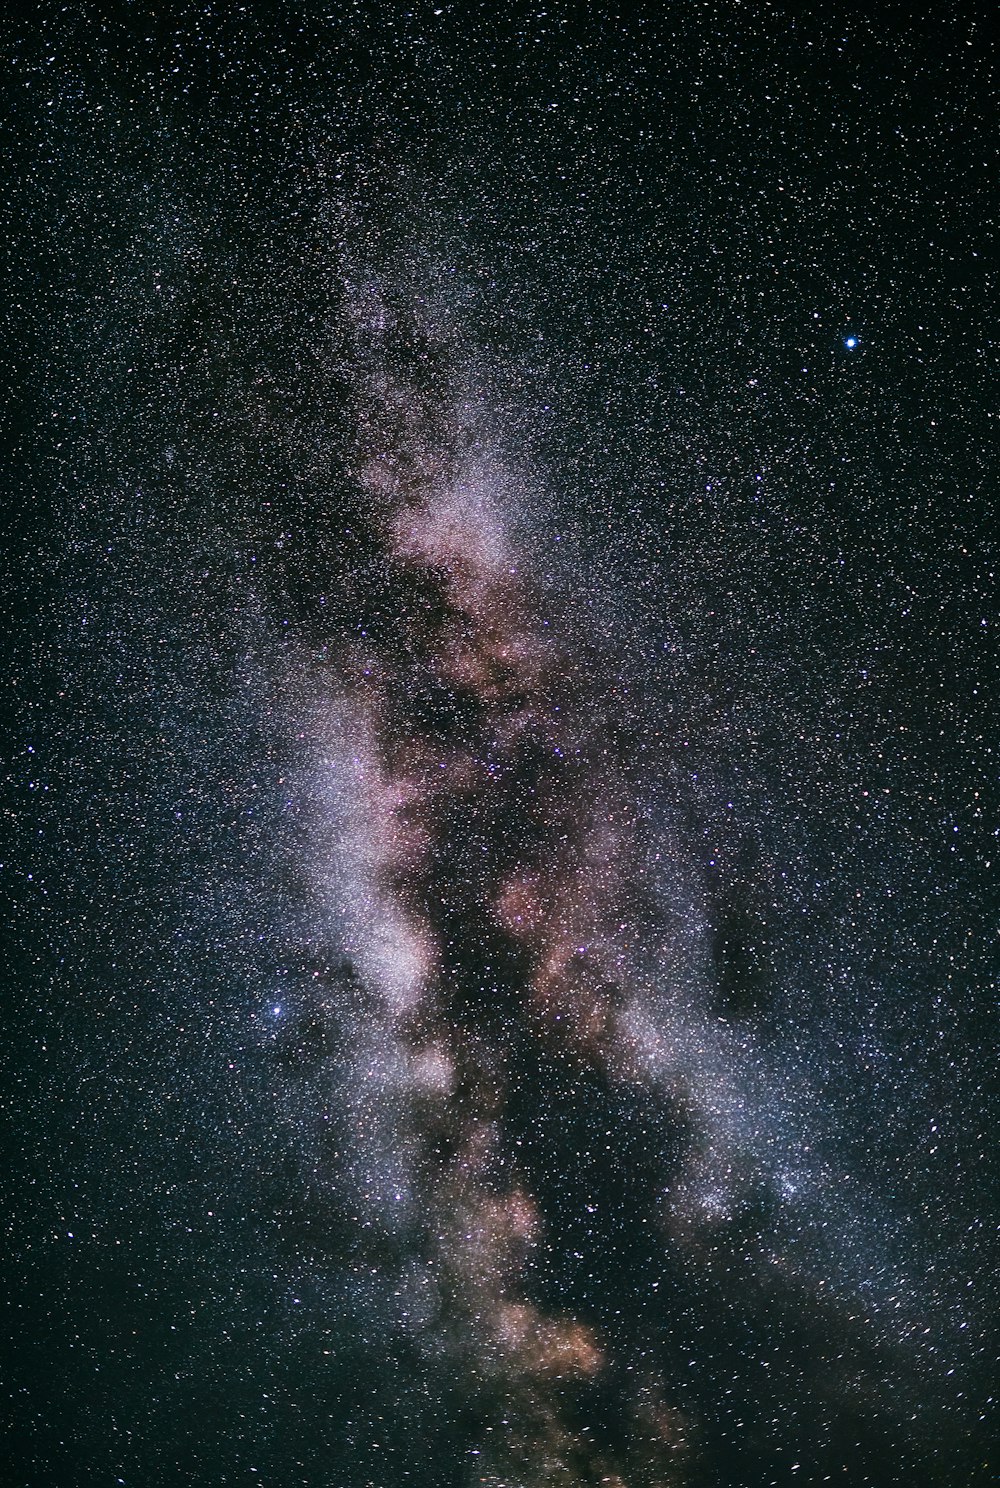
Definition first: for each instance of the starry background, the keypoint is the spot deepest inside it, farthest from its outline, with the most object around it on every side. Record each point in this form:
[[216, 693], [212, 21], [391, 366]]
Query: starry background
[[723, 278]]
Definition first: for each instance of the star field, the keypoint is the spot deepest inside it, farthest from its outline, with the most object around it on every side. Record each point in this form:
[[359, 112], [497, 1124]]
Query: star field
[[502, 780]]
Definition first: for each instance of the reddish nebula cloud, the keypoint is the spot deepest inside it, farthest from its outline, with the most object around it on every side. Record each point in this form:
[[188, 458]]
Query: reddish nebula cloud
[[494, 824]]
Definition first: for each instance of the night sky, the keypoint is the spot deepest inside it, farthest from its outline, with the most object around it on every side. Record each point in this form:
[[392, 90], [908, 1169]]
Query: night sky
[[500, 792]]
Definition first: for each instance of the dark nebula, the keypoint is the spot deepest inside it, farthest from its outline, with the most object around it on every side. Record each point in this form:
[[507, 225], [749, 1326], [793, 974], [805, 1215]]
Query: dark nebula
[[502, 783]]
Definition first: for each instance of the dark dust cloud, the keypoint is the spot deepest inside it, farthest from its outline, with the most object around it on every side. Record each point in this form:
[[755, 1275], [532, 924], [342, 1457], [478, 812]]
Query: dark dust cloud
[[501, 787]]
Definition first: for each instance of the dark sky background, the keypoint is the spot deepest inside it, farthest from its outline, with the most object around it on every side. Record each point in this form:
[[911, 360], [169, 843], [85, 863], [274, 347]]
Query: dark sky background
[[708, 291]]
